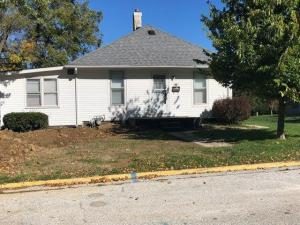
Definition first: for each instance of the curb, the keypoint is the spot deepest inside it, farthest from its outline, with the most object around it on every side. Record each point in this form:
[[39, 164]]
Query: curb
[[146, 175]]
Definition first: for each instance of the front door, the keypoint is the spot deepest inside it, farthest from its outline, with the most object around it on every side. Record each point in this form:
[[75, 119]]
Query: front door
[[160, 95]]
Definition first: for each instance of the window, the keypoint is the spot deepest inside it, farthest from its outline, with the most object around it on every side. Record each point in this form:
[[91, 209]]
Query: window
[[50, 92], [34, 92], [159, 87], [42, 92], [159, 83], [117, 88], [200, 91]]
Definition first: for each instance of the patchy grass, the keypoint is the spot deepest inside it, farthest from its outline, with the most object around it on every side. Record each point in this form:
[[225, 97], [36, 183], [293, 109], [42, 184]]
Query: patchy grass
[[121, 152]]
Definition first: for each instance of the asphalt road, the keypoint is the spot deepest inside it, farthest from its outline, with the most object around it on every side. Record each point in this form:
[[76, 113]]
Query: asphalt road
[[263, 197]]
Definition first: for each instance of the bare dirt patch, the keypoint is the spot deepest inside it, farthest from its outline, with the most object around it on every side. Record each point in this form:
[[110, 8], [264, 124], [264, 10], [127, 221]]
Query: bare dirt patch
[[240, 127], [190, 136], [15, 148]]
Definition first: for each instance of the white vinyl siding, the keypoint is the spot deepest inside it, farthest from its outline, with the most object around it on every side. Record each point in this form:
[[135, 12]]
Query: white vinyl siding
[[42, 92], [94, 95], [117, 88], [200, 90]]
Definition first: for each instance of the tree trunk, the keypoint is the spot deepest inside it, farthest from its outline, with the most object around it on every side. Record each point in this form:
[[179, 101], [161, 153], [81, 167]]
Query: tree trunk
[[3, 40], [281, 118]]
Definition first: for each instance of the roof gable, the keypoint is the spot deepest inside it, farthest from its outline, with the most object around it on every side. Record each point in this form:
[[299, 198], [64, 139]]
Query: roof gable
[[143, 49]]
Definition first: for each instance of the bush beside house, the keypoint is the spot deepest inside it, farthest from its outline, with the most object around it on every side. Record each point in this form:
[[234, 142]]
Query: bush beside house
[[231, 110], [27, 121]]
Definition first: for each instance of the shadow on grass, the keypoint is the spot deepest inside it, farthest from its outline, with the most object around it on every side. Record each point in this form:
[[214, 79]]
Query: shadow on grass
[[149, 134], [234, 135], [213, 134], [206, 134]]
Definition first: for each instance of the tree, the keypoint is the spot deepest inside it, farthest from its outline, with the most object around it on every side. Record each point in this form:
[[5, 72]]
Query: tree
[[56, 31], [12, 24], [257, 46], [62, 30]]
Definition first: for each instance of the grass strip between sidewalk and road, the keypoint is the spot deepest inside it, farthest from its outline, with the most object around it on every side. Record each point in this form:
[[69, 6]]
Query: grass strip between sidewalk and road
[[147, 175]]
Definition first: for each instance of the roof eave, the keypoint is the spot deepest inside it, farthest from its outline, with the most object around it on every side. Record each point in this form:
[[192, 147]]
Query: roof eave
[[30, 71], [204, 66]]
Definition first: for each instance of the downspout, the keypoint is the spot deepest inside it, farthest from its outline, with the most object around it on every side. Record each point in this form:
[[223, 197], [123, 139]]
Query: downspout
[[76, 98]]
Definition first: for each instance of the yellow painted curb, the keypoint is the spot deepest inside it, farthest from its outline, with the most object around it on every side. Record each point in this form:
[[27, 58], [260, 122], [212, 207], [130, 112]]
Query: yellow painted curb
[[146, 175]]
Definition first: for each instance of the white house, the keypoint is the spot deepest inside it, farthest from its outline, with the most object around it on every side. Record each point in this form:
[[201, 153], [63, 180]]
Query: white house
[[147, 74]]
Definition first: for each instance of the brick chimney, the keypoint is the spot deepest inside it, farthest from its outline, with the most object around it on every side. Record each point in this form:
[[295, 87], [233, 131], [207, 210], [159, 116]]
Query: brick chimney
[[137, 19]]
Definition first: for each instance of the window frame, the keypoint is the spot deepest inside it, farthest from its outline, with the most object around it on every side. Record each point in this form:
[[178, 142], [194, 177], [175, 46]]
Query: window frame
[[42, 93], [156, 90], [113, 73], [200, 89], [32, 93]]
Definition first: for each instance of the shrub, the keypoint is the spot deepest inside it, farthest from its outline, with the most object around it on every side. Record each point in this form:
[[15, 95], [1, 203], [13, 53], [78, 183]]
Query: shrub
[[22, 122], [231, 110]]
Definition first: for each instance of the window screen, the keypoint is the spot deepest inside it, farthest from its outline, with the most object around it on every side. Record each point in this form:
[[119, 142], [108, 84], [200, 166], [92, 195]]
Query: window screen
[[159, 83], [33, 92], [50, 92], [42, 92], [200, 91], [117, 88]]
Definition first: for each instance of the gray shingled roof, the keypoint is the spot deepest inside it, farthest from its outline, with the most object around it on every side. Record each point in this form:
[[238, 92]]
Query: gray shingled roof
[[139, 49]]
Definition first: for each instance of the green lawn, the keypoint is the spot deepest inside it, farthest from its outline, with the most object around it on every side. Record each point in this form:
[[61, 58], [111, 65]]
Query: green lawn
[[258, 145], [157, 150]]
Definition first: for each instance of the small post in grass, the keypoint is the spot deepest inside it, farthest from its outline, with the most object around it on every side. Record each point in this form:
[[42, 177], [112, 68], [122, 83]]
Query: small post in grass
[[133, 176]]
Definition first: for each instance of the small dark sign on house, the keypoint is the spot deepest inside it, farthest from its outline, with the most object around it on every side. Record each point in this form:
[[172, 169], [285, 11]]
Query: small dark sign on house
[[175, 88]]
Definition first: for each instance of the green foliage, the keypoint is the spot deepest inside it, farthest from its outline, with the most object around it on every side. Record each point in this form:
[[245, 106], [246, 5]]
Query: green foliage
[[12, 23], [58, 31], [289, 67], [257, 43], [62, 29], [259, 104], [22, 122], [263, 106], [231, 111]]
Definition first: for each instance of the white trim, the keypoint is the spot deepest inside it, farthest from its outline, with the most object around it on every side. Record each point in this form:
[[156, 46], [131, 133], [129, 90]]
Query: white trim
[[38, 70], [165, 82], [124, 87], [138, 67], [57, 92], [42, 107], [76, 101], [206, 90], [166, 75], [42, 94]]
